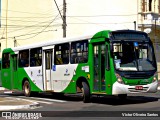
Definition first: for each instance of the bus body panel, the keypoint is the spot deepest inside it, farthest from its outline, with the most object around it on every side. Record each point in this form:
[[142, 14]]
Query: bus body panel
[[6, 78], [62, 77], [35, 75]]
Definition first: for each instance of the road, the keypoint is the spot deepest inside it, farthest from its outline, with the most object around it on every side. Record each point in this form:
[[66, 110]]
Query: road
[[102, 107]]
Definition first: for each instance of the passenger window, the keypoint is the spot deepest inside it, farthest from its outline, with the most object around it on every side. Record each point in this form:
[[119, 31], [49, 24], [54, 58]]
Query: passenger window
[[36, 57], [24, 58], [61, 54], [6, 60], [79, 52]]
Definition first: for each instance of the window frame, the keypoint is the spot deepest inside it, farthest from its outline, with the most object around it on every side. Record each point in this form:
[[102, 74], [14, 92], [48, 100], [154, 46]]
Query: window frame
[[61, 55], [6, 63], [27, 58], [36, 59], [79, 51]]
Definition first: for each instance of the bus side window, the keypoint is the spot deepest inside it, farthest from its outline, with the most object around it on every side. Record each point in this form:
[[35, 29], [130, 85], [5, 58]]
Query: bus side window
[[79, 52], [6, 60], [24, 58], [36, 57], [61, 54]]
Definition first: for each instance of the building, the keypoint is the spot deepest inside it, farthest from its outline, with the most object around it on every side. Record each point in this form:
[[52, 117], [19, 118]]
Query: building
[[30, 21]]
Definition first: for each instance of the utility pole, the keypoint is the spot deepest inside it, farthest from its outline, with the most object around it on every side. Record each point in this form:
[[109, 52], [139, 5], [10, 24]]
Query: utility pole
[[134, 25], [64, 18], [64, 25], [6, 21], [15, 42]]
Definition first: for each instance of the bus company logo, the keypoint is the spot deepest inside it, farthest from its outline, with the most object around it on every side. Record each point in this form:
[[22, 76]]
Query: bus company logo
[[66, 73]]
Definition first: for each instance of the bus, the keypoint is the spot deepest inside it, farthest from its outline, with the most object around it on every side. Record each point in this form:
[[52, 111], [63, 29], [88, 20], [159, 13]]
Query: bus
[[106, 63], [0, 74]]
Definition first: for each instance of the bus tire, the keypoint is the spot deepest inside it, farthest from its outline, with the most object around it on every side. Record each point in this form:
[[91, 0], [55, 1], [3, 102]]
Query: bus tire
[[85, 92], [27, 88]]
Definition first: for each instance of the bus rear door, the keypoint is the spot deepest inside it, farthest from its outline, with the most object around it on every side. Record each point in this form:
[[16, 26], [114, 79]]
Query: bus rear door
[[47, 68]]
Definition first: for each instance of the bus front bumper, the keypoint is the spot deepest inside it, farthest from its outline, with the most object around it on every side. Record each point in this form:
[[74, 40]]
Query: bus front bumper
[[124, 89]]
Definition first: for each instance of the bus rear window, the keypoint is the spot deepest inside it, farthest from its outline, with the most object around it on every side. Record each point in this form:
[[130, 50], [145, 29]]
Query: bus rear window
[[6, 60]]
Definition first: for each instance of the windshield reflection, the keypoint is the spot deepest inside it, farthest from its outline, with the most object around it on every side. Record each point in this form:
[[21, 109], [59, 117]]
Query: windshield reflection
[[133, 56]]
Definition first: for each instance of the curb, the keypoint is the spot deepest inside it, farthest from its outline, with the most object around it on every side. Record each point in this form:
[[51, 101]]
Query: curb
[[14, 107]]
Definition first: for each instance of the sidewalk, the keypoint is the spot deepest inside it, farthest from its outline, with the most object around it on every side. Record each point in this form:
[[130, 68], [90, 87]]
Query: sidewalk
[[12, 103]]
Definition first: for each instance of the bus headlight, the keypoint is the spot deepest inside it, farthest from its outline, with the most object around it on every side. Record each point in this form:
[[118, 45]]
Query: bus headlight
[[155, 77], [119, 79]]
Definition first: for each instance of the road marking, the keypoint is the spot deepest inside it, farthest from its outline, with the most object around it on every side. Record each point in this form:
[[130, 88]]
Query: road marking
[[46, 99], [6, 100], [30, 100], [42, 102], [8, 92], [52, 100]]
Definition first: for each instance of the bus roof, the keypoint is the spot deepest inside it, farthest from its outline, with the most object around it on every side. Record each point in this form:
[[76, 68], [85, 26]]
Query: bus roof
[[47, 43]]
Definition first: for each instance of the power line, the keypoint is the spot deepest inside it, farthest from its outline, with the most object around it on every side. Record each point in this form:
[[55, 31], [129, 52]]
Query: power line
[[29, 17], [16, 26], [100, 23], [32, 33], [24, 12], [27, 34], [30, 26], [41, 30], [102, 15]]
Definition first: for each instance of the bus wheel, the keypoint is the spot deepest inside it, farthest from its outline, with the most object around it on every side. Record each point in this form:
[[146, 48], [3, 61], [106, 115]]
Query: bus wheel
[[122, 96], [85, 92], [27, 88]]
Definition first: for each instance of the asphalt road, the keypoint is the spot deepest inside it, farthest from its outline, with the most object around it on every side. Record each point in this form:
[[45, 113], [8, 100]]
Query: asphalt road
[[137, 106]]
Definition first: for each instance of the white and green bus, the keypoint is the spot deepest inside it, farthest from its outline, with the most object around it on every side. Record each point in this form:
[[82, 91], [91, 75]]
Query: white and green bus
[[107, 63]]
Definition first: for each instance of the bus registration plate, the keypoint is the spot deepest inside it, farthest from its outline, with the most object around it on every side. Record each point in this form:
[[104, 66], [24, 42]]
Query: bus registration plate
[[139, 87]]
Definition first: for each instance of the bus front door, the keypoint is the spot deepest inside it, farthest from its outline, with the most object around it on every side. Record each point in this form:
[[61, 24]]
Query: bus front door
[[99, 68], [48, 69]]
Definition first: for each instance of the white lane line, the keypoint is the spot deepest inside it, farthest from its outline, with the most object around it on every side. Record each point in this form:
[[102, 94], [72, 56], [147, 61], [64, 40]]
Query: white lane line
[[42, 102], [52, 100], [8, 92], [46, 99], [13, 107], [35, 101]]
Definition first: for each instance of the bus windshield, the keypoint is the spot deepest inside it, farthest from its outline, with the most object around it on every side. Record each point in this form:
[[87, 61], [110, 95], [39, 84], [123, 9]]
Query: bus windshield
[[133, 56]]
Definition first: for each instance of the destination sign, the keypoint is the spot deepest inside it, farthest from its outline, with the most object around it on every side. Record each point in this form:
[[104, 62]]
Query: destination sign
[[129, 35]]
